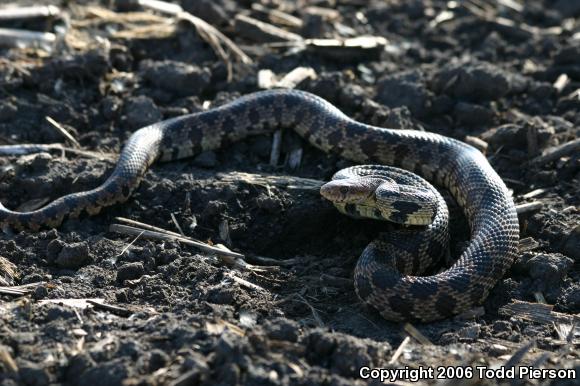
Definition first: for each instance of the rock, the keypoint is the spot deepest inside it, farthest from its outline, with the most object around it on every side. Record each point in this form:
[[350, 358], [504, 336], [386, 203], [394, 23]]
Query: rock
[[571, 299], [179, 78], [141, 111], [547, 268], [40, 292], [53, 248], [78, 365], [40, 162], [472, 81], [220, 295], [130, 271], [56, 311], [157, 360], [498, 350], [502, 326], [73, 256], [405, 89]]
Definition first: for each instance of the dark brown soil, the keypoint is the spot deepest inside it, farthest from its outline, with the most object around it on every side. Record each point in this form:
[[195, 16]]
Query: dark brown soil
[[488, 71]]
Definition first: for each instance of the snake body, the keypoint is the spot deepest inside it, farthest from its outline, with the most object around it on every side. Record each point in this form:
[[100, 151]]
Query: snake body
[[449, 163]]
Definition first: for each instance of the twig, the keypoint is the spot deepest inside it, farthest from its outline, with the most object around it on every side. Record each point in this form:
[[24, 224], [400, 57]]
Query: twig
[[478, 143], [111, 308], [8, 272], [167, 236], [245, 283], [536, 312], [268, 261], [19, 290], [519, 354], [534, 193], [276, 148], [419, 337], [312, 309], [23, 149], [527, 244], [335, 281], [557, 152], [400, 349], [177, 225], [262, 32], [7, 360], [288, 182], [29, 12], [278, 17], [10, 37], [529, 207], [64, 132]]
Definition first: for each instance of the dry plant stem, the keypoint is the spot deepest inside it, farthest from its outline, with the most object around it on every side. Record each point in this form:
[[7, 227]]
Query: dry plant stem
[[416, 334], [29, 12], [557, 152], [537, 313], [10, 37], [24, 149], [399, 350], [167, 236], [64, 132], [529, 207], [108, 307]]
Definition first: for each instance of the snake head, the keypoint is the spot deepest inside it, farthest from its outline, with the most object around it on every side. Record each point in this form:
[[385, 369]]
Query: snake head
[[347, 191]]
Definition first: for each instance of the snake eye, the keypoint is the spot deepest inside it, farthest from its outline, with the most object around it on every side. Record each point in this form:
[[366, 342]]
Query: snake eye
[[344, 190]]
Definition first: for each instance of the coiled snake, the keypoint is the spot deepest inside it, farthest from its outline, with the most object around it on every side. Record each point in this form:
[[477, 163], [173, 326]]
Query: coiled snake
[[383, 282]]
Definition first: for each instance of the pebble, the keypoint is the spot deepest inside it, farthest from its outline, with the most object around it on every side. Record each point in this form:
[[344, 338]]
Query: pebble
[[157, 360], [178, 78], [220, 295], [130, 271], [405, 89], [56, 311], [73, 255], [78, 365], [498, 350], [547, 268], [473, 81]]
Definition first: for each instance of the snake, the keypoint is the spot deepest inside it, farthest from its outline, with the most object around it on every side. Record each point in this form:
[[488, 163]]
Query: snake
[[381, 282]]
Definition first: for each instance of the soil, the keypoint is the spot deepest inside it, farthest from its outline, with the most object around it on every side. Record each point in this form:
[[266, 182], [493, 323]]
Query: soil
[[492, 71]]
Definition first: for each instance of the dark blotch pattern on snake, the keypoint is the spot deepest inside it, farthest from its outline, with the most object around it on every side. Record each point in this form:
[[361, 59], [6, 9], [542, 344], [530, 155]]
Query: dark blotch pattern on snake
[[449, 163]]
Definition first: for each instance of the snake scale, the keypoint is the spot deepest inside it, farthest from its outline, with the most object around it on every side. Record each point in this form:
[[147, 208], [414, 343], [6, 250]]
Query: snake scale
[[379, 281]]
